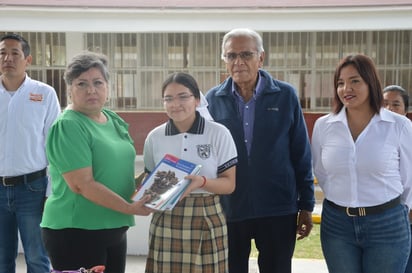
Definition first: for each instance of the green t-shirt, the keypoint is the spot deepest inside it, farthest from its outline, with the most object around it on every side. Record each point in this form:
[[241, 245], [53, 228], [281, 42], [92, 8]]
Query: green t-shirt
[[75, 141]]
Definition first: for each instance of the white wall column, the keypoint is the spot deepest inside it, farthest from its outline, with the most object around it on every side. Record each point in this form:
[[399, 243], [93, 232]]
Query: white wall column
[[74, 44]]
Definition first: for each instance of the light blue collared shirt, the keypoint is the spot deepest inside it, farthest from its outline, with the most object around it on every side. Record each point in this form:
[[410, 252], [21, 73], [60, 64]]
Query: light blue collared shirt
[[246, 111]]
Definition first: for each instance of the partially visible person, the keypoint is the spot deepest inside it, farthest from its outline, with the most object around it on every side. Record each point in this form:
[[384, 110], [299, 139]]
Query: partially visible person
[[396, 99], [192, 237], [202, 108], [362, 156], [27, 110], [274, 195], [91, 157]]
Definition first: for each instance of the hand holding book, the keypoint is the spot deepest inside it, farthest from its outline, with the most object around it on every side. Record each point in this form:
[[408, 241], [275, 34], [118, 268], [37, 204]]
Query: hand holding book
[[194, 184], [166, 183]]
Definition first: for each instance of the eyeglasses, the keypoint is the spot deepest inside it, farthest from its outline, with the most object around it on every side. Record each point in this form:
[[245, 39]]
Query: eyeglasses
[[180, 98], [245, 56]]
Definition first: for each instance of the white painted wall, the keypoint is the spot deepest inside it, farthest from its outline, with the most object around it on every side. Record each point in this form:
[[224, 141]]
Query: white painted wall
[[138, 236], [114, 20]]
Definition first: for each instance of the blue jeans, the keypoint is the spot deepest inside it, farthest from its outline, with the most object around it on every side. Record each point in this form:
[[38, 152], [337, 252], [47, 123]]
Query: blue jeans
[[378, 243], [21, 209], [409, 265]]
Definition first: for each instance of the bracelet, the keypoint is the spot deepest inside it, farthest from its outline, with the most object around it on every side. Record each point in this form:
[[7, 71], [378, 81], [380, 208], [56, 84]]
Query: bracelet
[[204, 181]]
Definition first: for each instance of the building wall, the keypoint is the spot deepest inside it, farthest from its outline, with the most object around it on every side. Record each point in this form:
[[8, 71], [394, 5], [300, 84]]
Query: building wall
[[355, 23], [139, 62], [140, 124]]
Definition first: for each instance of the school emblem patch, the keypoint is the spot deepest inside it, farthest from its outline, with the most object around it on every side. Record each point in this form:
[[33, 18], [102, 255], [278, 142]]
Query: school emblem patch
[[203, 150]]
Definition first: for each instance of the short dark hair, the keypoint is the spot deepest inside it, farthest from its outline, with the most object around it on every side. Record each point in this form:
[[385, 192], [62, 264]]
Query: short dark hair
[[401, 91], [367, 70], [24, 44], [83, 62], [184, 79]]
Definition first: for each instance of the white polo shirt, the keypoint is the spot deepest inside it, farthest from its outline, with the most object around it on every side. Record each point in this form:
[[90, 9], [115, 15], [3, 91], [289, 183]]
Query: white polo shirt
[[207, 143], [25, 119]]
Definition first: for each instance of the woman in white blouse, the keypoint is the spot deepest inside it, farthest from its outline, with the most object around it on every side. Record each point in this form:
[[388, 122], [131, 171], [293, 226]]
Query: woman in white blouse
[[362, 156]]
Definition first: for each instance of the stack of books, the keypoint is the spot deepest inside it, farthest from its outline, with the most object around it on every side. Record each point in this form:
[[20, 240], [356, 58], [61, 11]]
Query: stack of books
[[166, 183]]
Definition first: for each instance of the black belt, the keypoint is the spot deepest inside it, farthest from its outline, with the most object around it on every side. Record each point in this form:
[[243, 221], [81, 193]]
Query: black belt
[[15, 180], [366, 210]]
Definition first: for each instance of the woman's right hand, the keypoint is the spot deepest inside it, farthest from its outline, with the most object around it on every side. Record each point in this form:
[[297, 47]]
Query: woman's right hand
[[81, 181], [138, 207]]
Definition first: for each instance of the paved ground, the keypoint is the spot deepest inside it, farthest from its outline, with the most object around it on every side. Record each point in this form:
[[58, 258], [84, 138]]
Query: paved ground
[[135, 264]]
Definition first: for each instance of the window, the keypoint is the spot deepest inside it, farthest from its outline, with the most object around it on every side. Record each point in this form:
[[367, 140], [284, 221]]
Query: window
[[142, 62], [48, 52], [139, 62]]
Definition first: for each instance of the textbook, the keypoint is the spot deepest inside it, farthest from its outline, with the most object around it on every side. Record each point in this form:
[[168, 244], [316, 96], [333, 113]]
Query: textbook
[[166, 182]]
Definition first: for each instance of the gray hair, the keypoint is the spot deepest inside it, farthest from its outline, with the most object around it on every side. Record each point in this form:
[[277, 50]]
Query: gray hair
[[243, 32], [83, 62]]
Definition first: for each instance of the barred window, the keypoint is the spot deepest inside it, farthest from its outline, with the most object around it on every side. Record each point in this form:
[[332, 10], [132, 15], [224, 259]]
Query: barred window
[[139, 62]]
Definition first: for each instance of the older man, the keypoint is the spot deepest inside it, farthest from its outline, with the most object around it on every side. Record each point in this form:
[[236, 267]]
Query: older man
[[274, 193]]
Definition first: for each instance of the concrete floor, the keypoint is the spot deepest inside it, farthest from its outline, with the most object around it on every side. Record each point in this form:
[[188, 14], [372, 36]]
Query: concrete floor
[[136, 264]]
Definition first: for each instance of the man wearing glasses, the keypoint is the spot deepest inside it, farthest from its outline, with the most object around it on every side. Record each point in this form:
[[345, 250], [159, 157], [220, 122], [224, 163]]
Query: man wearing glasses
[[274, 195]]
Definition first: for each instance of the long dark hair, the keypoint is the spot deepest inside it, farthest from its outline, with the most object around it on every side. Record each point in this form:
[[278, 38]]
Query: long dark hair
[[367, 70]]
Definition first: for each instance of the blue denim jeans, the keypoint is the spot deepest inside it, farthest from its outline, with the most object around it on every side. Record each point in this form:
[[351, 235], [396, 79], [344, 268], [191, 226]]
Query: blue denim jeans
[[378, 243], [21, 209], [409, 265]]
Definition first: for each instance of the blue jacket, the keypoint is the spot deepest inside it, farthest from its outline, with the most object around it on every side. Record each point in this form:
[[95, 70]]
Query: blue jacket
[[277, 177]]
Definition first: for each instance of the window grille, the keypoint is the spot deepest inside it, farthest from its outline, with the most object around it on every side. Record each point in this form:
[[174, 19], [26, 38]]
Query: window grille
[[139, 62]]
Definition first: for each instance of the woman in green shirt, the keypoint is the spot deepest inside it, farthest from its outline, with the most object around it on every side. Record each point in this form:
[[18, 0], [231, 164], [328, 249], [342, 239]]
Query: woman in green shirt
[[91, 157]]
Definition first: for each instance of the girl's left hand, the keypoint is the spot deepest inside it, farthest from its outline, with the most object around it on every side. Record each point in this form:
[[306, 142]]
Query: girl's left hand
[[196, 183]]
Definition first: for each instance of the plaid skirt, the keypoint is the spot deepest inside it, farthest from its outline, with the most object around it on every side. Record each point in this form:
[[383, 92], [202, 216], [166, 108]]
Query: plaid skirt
[[190, 238]]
